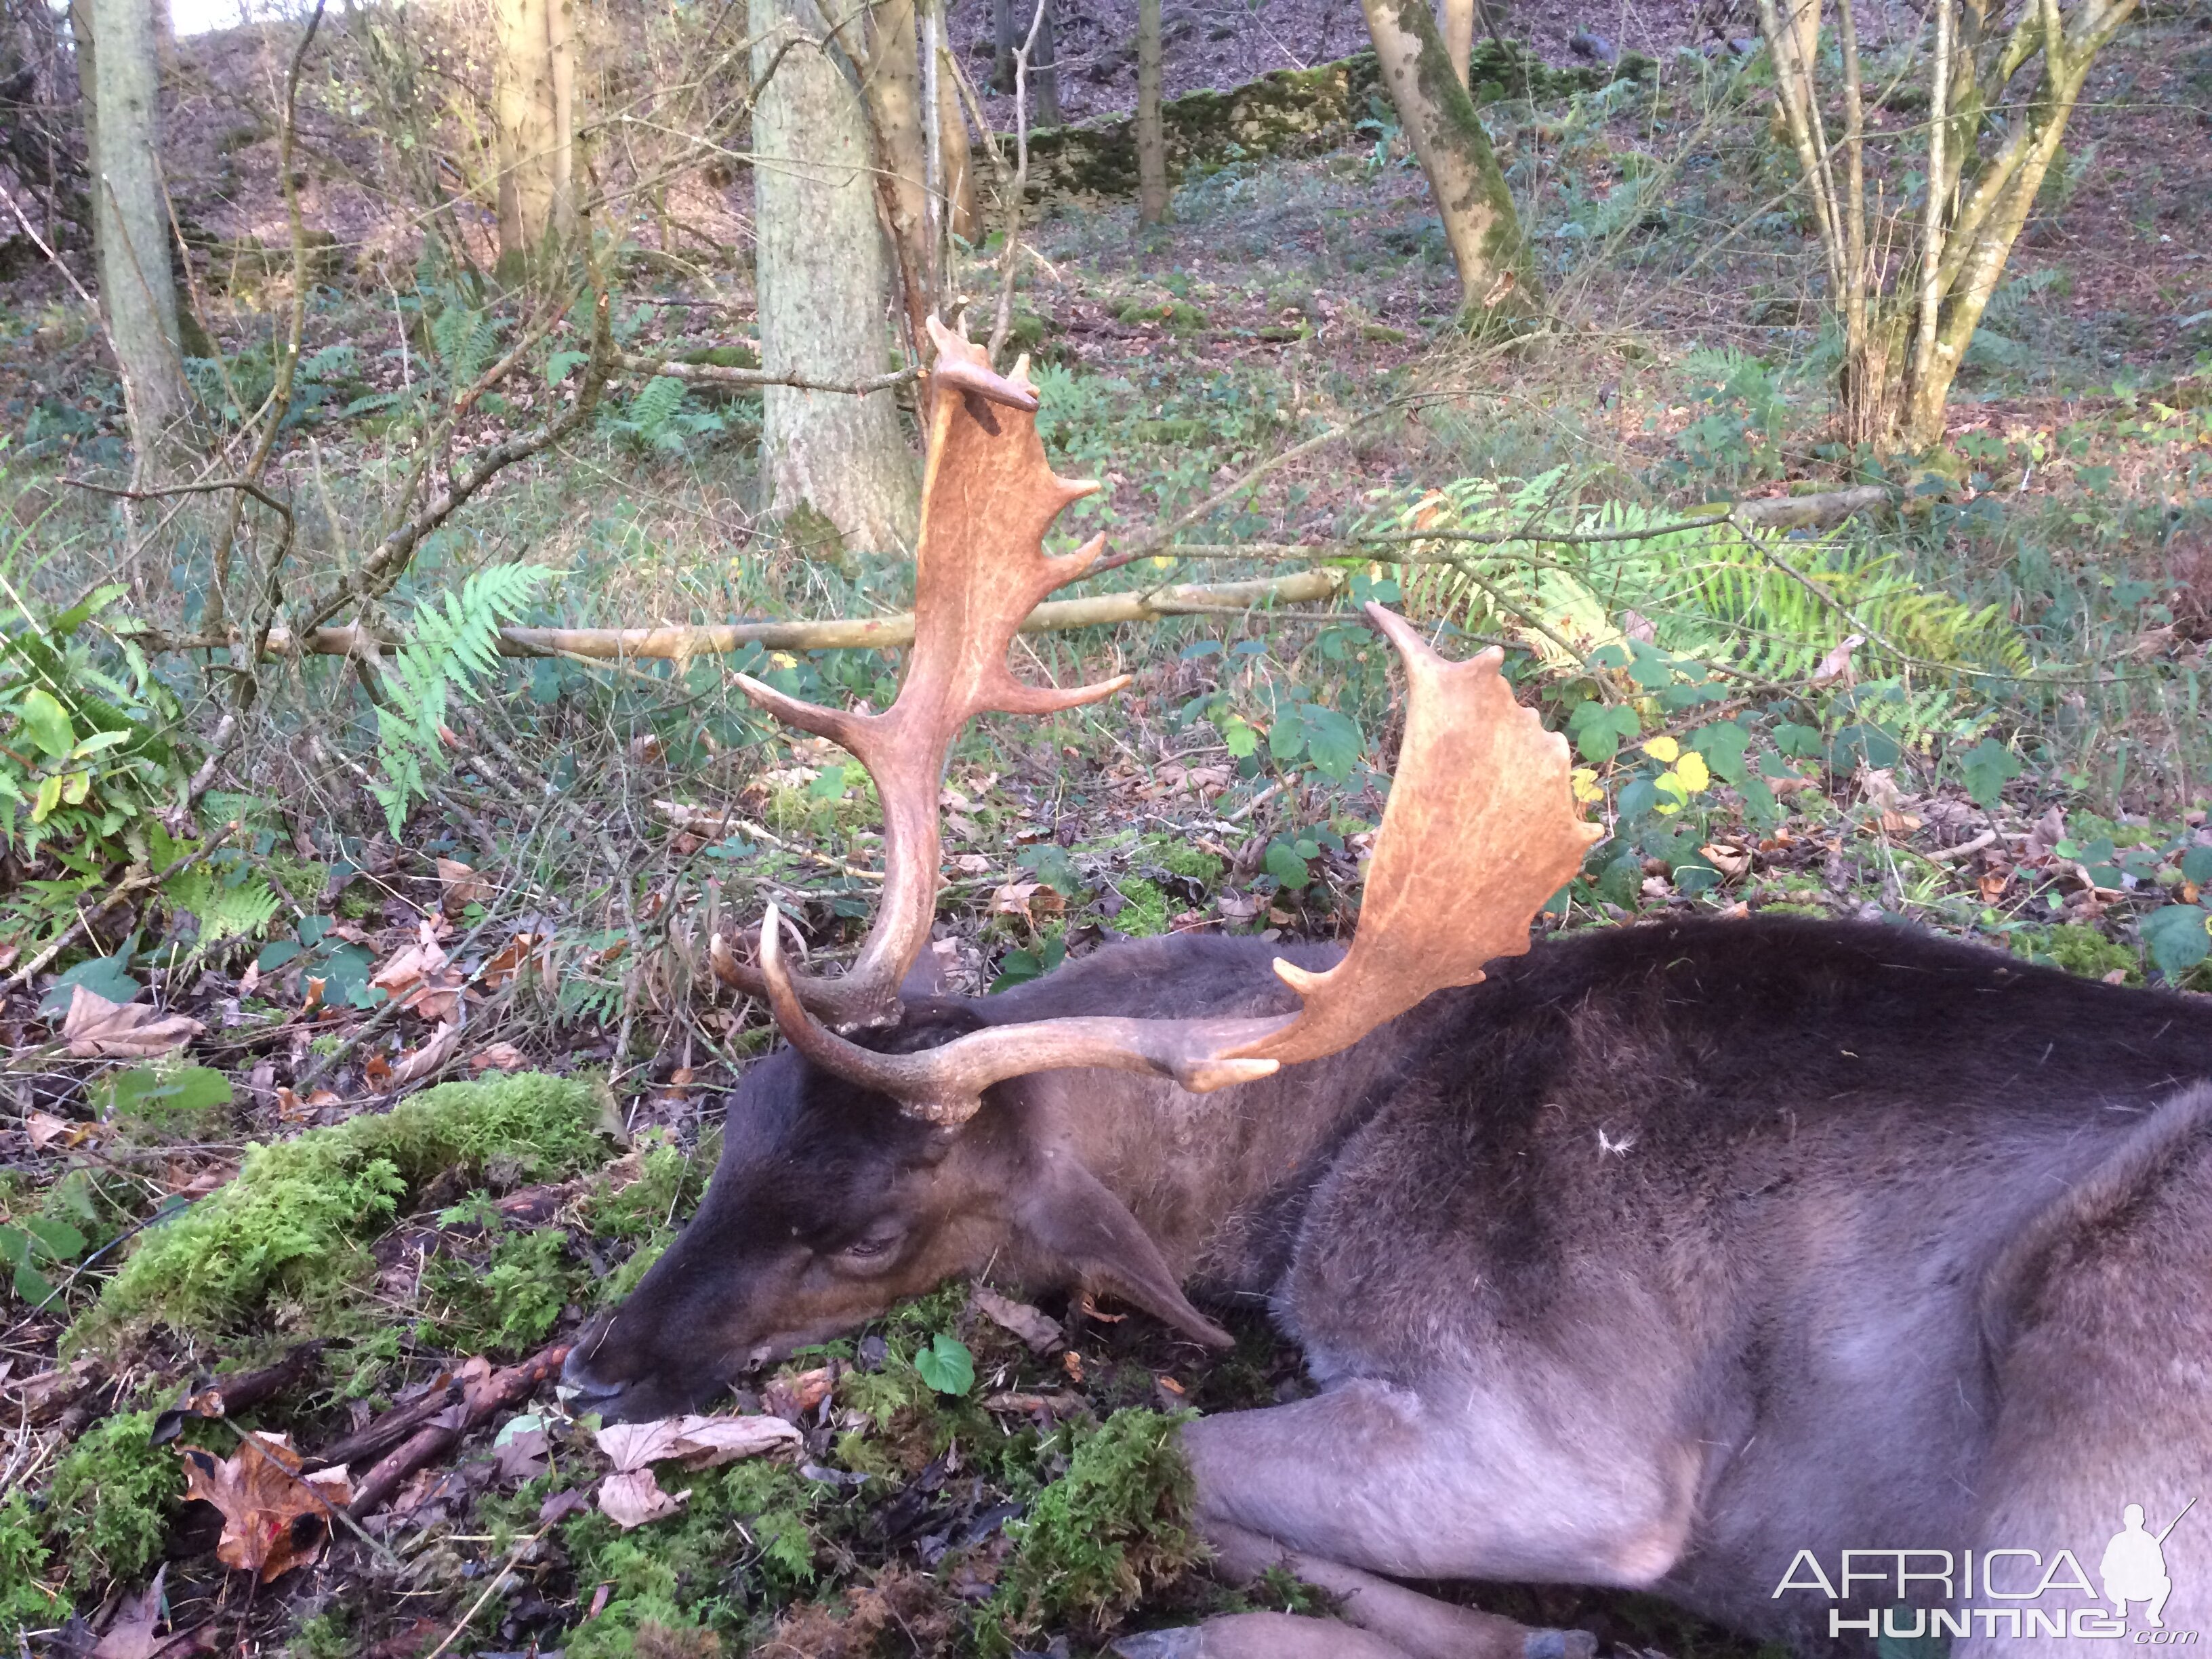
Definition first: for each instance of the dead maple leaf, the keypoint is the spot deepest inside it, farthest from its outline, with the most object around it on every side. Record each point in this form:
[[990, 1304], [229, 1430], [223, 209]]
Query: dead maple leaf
[[634, 1498], [274, 1518], [99, 1029], [1013, 899], [505, 1055]]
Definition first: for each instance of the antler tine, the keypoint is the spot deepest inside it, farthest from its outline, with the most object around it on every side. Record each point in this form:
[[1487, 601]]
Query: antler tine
[[1480, 829], [987, 498]]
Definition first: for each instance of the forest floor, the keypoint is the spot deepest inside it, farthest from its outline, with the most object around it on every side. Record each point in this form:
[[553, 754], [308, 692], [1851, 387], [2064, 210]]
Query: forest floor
[[2020, 757]]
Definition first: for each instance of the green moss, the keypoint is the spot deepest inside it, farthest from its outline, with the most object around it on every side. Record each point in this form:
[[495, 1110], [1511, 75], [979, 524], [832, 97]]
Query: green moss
[[24, 1603], [287, 1239], [505, 1304], [1093, 1541], [1190, 863], [2078, 949], [109, 1504], [1145, 908]]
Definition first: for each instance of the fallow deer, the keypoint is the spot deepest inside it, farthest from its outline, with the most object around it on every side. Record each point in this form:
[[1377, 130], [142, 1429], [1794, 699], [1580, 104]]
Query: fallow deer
[[1687, 1256]]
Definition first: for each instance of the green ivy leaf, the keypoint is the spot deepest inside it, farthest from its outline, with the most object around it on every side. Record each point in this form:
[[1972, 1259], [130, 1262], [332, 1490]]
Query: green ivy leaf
[[2177, 938], [2196, 866], [104, 976], [945, 1365], [1048, 862]]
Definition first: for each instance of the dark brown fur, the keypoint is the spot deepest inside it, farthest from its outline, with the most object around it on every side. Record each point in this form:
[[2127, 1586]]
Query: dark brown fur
[[1666, 1253]]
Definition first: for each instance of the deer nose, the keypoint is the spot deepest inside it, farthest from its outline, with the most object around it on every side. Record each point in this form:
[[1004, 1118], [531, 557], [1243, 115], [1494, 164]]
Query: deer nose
[[576, 1371]]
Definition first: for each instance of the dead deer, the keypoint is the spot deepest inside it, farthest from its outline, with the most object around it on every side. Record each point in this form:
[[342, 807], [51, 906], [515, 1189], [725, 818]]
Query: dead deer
[[1694, 1257]]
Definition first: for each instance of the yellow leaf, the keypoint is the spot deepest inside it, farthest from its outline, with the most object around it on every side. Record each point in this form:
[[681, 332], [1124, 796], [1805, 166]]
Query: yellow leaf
[[1673, 796], [1664, 750], [1585, 782], [1693, 771]]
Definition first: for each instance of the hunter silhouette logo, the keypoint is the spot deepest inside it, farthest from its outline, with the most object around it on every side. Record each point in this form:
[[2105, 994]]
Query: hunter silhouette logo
[[2133, 1567]]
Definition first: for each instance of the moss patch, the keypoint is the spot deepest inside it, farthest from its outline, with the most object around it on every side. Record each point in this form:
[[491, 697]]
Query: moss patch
[[287, 1239], [108, 1509]]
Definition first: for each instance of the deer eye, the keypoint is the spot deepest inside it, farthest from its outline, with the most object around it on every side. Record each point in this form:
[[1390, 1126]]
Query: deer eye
[[871, 1247]]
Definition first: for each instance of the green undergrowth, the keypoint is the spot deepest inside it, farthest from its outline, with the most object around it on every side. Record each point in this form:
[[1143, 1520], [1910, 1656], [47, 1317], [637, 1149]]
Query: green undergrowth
[[286, 1242]]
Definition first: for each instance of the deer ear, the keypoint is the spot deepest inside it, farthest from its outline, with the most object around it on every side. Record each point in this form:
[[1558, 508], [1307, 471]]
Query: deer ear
[[1070, 1215]]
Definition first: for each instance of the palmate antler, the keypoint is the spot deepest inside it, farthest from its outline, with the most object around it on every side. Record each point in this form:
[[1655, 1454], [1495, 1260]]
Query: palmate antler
[[1479, 830], [987, 498]]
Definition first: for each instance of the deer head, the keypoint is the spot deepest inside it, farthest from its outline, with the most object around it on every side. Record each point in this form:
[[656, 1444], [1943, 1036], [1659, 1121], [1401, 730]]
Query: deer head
[[864, 1165]]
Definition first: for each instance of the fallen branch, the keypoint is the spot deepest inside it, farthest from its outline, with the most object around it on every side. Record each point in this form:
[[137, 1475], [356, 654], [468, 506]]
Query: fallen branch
[[681, 643], [480, 1398], [713, 374]]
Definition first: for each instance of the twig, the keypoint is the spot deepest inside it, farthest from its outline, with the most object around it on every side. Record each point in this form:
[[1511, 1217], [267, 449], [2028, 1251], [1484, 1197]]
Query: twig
[[695, 821], [62, 941], [1964, 849], [499, 1390]]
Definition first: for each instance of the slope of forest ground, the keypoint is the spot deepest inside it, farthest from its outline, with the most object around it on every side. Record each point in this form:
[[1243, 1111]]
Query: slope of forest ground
[[2016, 752]]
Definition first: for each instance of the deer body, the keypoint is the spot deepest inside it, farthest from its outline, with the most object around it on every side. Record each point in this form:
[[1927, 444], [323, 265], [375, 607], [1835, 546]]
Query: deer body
[[1661, 1255], [1676, 1257]]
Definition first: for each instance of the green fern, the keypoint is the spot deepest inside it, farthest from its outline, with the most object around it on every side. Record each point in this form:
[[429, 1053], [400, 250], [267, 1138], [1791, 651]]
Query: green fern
[[450, 648], [225, 910], [1710, 593]]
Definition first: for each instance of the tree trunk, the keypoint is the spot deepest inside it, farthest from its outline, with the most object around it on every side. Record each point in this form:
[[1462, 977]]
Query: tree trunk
[[137, 289], [1044, 68], [1151, 138], [822, 281], [1006, 36], [1457, 23], [1472, 199], [892, 79], [1797, 54], [956, 163], [534, 95]]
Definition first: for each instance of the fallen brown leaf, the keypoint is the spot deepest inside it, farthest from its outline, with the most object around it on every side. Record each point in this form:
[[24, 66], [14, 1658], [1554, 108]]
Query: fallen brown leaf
[[504, 1055], [274, 1518], [458, 885], [797, 1394], [131, 1632], [634, 1498], [701, 1441], [419, 1063], [45, 1130], [97, 1029], [1041, 1334]]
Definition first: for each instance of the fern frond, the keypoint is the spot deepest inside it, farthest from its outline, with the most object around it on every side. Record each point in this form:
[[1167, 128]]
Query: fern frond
[[452, 647]]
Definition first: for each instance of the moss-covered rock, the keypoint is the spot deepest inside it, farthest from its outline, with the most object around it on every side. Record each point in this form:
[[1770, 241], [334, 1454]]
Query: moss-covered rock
[[1288, 113]]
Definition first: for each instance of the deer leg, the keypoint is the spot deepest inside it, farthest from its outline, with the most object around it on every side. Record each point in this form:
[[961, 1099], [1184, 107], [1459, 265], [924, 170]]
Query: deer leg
[[1369, 1481]]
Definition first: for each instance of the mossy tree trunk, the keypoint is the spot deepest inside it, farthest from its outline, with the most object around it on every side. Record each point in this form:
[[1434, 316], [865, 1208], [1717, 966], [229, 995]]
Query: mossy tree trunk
[[1151, 138], [534, 98], [137, 287], [1456, 20], [822, 283], [1471, 195]]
